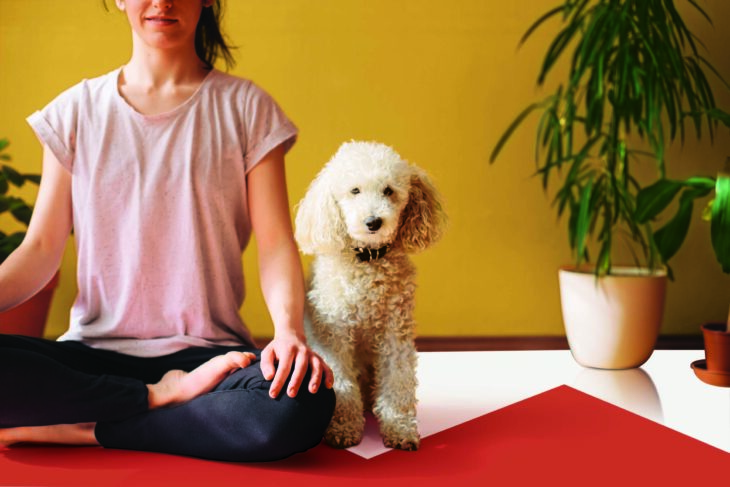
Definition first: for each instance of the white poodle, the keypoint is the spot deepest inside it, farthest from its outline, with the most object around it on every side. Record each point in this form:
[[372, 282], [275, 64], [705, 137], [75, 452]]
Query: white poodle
[[366, 210]]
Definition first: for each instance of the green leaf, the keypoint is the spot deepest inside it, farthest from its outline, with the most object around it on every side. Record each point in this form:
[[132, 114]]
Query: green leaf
[[704, 14], [720, 223], [9, 243], [584, 217], [603, 263], [720, 115], [701, 182], [513, 126], [702, 92], [540, 21], [653, 199], [714, 71], [22, 213], [4, 142], [33, 178], [670, 237], [13, 176], [556, 49], [593, 36]]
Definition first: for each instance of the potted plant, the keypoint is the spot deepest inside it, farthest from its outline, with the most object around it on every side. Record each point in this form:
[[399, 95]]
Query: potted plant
[[30, 317], [651, 202], [635, 76]]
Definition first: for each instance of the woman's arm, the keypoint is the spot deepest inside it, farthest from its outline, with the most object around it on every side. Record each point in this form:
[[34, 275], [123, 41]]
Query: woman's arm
[[282, 282], [38, 257]]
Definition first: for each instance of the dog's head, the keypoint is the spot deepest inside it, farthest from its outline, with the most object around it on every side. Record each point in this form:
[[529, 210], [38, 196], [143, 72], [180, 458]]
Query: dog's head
[[367, 196]]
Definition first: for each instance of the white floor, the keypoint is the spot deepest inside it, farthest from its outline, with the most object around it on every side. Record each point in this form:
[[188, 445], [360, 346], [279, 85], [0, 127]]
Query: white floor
[[455, 387]]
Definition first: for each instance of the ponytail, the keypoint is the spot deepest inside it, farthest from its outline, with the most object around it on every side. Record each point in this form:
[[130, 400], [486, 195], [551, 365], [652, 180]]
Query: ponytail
[[210, 43]]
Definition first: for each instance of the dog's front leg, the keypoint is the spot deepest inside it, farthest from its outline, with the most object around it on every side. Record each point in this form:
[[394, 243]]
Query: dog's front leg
[[348, 422], [395, 392]]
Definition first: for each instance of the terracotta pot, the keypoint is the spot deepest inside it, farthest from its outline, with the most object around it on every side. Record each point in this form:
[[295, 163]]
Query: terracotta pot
[[29, 318], [612, 322], [717, 347]]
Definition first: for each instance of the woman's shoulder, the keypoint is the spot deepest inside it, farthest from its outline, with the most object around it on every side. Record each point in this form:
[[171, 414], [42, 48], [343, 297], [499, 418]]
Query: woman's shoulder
[[105, 81], [237, 86], [87, 90], [228, 83], [90, 87]]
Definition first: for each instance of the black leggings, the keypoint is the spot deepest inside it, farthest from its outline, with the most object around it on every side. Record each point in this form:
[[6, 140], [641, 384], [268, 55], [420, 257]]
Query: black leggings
[[44, 382]]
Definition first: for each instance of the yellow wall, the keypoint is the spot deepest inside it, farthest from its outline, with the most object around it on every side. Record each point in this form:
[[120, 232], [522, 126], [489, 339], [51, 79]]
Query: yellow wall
[[439, 81]]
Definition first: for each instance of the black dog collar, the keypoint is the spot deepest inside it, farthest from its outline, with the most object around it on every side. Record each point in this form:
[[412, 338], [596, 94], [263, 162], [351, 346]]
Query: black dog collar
[[366, 255]]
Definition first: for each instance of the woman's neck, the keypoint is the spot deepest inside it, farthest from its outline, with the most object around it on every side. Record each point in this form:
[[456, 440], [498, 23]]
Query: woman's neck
[[157, 68], [155, 82]]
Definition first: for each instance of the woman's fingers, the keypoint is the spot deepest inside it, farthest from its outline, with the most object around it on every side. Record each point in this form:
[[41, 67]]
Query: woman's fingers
[[316, 378], [329, 376], [301, 365], [282, 372], [279, 360], [321, 373], [268, 369]]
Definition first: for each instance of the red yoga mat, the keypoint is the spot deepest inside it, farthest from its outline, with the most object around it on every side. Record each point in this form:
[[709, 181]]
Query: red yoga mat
[[559, 437]]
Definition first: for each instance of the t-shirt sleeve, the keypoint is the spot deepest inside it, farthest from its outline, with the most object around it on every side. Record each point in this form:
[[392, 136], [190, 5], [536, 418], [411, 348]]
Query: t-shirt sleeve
[[55, 125], [266, 127]]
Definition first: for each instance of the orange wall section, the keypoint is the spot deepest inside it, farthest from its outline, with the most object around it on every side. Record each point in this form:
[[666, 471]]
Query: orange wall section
[[437, 80]]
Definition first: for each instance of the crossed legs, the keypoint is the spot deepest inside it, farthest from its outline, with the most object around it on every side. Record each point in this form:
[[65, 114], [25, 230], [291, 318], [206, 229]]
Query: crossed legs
[[210, 407]]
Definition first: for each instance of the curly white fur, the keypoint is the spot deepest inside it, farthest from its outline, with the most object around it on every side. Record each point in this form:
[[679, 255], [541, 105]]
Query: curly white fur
[[360, 314]]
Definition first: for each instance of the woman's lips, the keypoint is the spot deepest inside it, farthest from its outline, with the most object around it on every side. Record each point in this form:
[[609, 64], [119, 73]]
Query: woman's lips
[[160, 20]]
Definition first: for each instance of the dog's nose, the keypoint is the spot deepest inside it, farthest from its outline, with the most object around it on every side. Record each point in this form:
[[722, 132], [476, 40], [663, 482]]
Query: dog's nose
[[373, 223]]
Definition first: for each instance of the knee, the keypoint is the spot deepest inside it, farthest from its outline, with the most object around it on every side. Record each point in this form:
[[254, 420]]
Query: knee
[[313, 411], [259, 428], [286, 427]]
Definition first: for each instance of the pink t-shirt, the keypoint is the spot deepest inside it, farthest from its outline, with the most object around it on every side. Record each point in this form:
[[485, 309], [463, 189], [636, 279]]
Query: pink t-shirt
[[160, 210]]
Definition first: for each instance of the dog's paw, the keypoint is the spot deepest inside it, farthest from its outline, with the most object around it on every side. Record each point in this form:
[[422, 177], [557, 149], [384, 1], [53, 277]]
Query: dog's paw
[[341, 438], [344, 434], [410, 443], [402, 434], [341, 442]]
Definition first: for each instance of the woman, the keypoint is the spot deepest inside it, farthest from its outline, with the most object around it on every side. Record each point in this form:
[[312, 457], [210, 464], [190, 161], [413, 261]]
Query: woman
[[164, 167]]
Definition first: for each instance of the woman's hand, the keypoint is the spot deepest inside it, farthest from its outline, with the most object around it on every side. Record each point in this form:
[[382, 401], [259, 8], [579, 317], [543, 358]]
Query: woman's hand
[[288, 352]]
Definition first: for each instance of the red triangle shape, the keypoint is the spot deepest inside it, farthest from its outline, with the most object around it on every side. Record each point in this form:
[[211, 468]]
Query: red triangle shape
[[559, 437]]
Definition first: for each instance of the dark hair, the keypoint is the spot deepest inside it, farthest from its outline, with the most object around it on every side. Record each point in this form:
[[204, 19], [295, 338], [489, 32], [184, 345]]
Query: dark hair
[[210, 42]]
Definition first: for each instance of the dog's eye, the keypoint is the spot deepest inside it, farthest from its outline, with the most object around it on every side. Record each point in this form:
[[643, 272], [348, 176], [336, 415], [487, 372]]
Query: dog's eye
[[387, 191], [355, 191]]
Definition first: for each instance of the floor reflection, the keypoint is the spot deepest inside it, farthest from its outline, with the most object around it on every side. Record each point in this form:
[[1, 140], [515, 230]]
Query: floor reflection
[[630, 389]]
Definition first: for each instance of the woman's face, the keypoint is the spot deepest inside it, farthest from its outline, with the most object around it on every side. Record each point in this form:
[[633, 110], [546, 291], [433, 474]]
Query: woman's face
[[164, 24]]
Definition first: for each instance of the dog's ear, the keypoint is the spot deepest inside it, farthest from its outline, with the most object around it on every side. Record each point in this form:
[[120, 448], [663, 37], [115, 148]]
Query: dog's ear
[[423, 219], [320, 227]]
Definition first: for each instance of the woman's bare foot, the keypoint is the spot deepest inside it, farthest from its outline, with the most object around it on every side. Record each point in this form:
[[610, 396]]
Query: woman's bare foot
[[177, 386], [81, 434]]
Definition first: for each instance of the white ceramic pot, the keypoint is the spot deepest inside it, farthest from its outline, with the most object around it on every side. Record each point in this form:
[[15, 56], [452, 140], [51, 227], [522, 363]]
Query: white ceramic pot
[[612, 322]]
